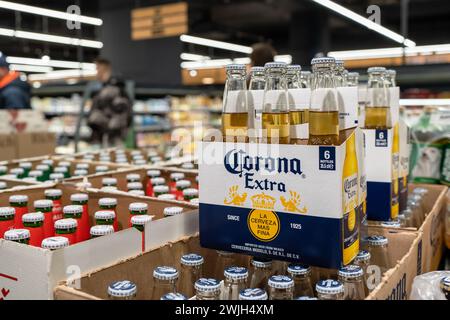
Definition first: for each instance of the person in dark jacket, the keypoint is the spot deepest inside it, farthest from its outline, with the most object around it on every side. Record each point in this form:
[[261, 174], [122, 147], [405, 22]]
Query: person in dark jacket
[[111, 111], [14, 92]]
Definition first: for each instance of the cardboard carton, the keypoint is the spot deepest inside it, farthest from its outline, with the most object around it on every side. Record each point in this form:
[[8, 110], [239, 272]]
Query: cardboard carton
[[403, 255], [28, 272]]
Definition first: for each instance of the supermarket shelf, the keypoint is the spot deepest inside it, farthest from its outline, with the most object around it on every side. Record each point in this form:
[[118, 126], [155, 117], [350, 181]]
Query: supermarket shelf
[[177, 91], [51, 114]]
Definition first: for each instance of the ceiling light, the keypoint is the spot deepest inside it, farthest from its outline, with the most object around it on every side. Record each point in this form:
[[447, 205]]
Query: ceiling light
[[28, 68], [61, 74], [193, 57], [366, 22], [50, 13], [215, 44], [390, 52], [50, 38], [51, 63]]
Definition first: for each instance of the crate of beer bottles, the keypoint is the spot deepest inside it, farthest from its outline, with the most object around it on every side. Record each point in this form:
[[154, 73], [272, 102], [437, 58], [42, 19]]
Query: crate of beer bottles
[[281, 201], [28, 271], [387, 154]]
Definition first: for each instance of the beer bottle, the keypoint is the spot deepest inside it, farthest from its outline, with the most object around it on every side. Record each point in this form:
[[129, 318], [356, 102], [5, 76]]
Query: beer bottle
[[138, 222], [189, 194], [105, 217], [255, 97], [174, 177], [137, 208], [82, 166], [101, 230], [137, 193], [88, 157], [350, 189], [45, 169], [56, 177], [172, 296], [253, 294], [6, 219], [378, 248], [18, 235], [3, 170], [122, 290], [340, 73], [34, 222], [101, 169], [76, 212], [187, 166], [330, 290], [46, 207], [305, 298], [390, 78], [26, 166], [181, 185], [395, 173], [281, 288], [19, 173], [352, 276], [152, 174], [3, 185], [275, 116], [391, 223], [352, 79], [362, 259], [377, 112], [65, 164], [298, 105], [235, 282], [110, 204], [207, 289], [80, 173], [54, 243], [305, 79], [417, 212], [172, 211], [164, 281], [134, 186], [20, 205], [301, 274], [67, 228], [235, 108], [406, 218], [195, 201], [133, 177], [166, 197], [159, 190], [445, 287], [55, 196], [83, 225], [260, 272], [62, 170], [109, 182], [191, 271], [224, 260], [324, 111]]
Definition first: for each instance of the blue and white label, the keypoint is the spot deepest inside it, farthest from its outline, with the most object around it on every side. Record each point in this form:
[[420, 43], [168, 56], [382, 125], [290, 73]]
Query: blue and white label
[[381, 138], [327, 158]]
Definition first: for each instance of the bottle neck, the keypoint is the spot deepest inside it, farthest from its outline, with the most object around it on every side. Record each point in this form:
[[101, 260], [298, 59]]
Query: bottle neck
[[235, 82], [323, 78]]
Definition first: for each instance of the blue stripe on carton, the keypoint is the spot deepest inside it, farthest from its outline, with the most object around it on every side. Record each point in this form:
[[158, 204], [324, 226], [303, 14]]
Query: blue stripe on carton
[[379, 201], [318, 242]]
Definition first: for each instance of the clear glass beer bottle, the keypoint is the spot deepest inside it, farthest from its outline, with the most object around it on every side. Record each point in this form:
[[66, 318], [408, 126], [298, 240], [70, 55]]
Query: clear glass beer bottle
[[235, 282], [261, 270], [378, 248], [324, 109], [207, 289], [224, 260], [377, 112], [164, 281], [352, 276], [281, 288], [122, 290], [191, 271], [301, 274], [235, 109], [253, 294], [362, 259], [330, 290], [275, 115]]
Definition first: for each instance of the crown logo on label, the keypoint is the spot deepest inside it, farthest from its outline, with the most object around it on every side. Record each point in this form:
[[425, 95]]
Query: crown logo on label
[[263, 201]]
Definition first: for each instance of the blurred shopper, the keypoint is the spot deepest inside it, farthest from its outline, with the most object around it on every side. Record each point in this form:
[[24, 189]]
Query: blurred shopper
[[111, 112], [14, 92], [261, 54]]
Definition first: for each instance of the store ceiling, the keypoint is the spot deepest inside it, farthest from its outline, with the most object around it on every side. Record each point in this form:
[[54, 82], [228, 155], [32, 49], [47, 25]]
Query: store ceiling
[[291, 25]]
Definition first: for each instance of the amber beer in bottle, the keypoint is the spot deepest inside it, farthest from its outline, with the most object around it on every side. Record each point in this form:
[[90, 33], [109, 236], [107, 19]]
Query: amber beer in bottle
[[324, 111], [275, 116], [235, 109], [377, 112]]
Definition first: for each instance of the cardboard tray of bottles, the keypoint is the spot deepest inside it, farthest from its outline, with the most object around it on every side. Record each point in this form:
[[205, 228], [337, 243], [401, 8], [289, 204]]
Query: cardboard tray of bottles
[[290, 201], [28, 272], [433, 244], [395, 284], [121, 176]]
